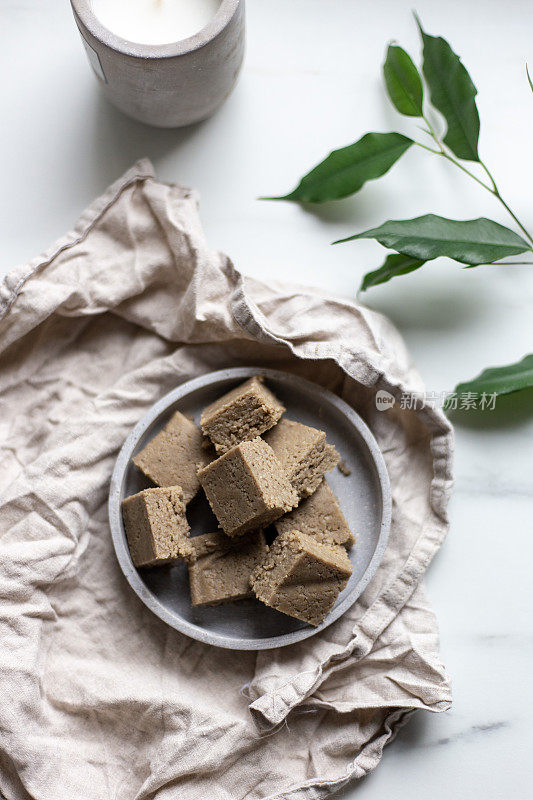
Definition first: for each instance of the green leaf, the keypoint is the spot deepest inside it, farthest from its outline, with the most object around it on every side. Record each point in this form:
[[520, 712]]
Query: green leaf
[[346, 170], [395, 264], [499, 380], [453, 94], [403, 82], [529, 77], [473, 242]]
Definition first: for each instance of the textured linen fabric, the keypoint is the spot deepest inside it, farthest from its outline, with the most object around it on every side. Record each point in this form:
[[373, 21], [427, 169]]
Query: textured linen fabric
[[100, 699]]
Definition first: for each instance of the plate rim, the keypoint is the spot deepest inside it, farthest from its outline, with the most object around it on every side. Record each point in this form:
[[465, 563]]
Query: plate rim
[[119, 539]]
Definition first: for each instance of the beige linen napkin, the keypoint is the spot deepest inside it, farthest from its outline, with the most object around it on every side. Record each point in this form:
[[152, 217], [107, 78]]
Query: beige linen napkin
[[100, 699]]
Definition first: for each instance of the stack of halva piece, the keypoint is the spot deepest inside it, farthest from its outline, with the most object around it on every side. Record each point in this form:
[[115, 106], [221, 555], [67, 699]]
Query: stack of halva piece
[[263, 476]]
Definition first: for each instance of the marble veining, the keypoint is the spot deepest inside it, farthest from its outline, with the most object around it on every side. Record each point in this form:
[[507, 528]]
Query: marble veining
[[470, 733]]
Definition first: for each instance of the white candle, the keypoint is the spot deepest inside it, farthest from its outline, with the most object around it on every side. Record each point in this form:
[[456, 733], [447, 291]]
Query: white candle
[[155, 21]]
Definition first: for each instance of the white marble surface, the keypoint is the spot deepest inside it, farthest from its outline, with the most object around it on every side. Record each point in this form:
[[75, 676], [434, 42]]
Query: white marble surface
[[312, 82]]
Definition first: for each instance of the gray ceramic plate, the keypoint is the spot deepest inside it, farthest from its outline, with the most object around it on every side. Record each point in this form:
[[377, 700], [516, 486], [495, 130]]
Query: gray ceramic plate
[[364, 497]]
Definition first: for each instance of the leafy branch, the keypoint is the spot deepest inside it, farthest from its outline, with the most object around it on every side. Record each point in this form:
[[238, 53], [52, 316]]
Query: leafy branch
[[345, 171], [496, 381]]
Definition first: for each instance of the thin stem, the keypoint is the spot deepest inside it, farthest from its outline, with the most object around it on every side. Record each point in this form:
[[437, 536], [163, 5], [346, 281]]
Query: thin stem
[[491, 179], [494, 190], [431, 130], [429, 149], [442, 152], [467, 171], [504, 204]]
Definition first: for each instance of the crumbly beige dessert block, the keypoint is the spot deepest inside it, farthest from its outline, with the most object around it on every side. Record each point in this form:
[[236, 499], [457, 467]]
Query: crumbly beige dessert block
[[319, 516], [247, 488], [304, 454], [241, 415], [173, 456], [344, 468], [156, 526], [301, 577], [220, 567]]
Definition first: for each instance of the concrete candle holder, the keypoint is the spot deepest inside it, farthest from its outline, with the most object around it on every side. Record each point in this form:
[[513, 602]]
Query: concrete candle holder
[[167, 85]]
